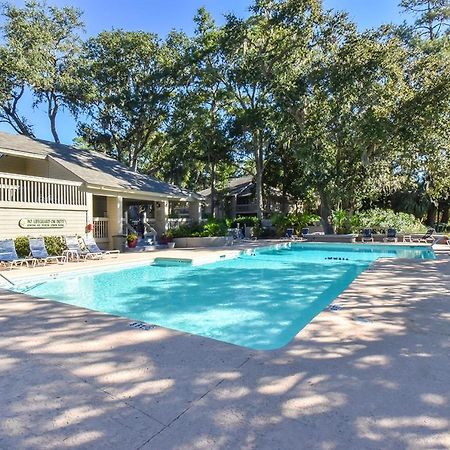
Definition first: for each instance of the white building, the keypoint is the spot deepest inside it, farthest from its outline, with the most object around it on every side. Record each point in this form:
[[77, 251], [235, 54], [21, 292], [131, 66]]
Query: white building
[[53, 189]]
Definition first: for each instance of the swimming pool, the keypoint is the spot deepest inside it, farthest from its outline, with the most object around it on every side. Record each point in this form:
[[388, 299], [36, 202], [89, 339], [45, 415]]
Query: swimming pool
[[260, 300]]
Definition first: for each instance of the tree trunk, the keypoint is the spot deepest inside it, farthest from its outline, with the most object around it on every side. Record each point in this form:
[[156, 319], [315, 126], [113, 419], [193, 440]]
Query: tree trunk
[[284, 202], [325, 213], [134, 161], [52, 111], [53, 128], [431, 215], [445, 212], [12, 117], [213, 190], [259, 163]]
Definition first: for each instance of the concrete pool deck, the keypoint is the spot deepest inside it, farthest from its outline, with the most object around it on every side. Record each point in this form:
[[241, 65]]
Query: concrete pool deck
[[374, 373]]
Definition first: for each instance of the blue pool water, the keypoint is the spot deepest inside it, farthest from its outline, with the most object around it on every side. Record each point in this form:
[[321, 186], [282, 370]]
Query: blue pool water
[[259, 301]]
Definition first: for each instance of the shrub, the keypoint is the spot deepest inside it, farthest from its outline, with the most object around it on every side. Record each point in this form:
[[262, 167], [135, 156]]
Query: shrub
[[213, 228], [22, 246], [381, 219], [55, 245], [293, 220], [342, 221], [248, 221], [209, 228], [185, 230]]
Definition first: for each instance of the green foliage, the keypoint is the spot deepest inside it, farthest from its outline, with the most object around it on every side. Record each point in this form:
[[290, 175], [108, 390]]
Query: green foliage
[[432, 16], [129, 80], [382, 219], [211, 228], [248, 221], [41, 54], [55, 245], [22, 246], [214, 229], [338, 118], [131, 237], [341, 221], [293, 220]]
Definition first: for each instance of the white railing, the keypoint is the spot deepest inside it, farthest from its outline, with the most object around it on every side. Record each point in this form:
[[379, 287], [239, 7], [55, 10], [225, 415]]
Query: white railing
[[101, 230], [16, 188], [127, 228]]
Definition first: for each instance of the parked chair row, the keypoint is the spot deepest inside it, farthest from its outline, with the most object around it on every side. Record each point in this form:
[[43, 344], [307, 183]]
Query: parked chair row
[[91, 249], [391, 236], [290, 234], [39, 253]]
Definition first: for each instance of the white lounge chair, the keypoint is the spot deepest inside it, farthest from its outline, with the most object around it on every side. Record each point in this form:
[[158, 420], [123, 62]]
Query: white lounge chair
[[391, 235], [92, 246], [40, 254], [8, 255], [367, 235], [427, 238], [74, 251]]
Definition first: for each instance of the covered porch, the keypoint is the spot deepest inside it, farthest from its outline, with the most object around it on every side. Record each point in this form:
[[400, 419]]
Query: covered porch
[[114, 214]]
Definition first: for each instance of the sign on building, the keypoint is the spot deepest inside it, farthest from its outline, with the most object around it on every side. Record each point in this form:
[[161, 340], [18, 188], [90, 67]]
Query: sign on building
[[42, 223]]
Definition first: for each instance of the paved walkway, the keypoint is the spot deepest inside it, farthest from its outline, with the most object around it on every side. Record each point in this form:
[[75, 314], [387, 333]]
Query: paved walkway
[[373, 374]]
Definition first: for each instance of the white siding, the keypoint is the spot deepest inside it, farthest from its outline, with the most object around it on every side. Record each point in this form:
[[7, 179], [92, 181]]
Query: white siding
[[9, 222]]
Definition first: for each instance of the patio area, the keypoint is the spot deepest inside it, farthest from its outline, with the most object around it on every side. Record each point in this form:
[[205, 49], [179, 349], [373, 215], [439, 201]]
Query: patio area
[[371, 374]]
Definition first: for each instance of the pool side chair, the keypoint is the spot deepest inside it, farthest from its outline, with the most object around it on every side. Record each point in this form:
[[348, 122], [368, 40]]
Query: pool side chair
[[305, 232], [75, 252], [427, 238], [391, 235], [367, 235], [290, 233], [9, 257], [92, 246], [40, 254]]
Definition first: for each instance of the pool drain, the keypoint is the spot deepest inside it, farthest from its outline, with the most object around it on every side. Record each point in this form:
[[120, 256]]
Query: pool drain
[[334, 307], [141, 326]]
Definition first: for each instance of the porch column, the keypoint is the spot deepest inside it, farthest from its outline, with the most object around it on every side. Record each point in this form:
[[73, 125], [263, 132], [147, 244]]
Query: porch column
[[161, 216], [114, 207], [195, 211], [90, 209]]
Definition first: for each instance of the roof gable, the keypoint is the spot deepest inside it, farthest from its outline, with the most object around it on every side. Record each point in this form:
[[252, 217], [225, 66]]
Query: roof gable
[[92, 167]]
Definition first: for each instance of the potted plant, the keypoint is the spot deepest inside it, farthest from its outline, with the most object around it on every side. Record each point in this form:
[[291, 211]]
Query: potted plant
[[167, 239], [132, 240]]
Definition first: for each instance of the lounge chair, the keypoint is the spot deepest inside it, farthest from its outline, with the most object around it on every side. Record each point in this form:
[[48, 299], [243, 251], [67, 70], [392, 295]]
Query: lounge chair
[[367, 235], [290, 233], [92, 246], [391, 235], [8, 255], [75, 252], [305, 231], [427, 238], [40, 254]]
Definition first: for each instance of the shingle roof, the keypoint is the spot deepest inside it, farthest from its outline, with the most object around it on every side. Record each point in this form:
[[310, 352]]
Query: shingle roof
[[234, 186], [92, 167]]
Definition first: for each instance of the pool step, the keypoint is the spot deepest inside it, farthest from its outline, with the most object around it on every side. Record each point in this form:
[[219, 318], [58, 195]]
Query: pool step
[[167, 262]]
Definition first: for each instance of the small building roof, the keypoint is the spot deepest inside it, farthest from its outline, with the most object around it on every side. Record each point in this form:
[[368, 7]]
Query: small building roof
[[92, 167], [234, 186]]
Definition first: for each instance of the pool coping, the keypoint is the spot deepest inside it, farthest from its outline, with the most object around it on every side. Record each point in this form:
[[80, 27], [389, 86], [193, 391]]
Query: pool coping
[[198, 256], [360, 321]]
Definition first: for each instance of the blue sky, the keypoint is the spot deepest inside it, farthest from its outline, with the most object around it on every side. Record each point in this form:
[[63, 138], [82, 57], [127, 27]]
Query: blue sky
[[160, 17]]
